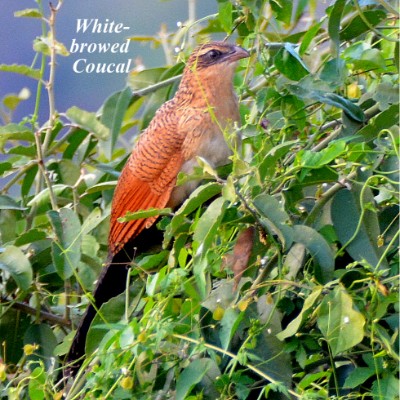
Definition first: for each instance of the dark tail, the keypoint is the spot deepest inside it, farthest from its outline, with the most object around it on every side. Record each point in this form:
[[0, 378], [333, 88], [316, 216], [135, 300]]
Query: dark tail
[[111, 283]]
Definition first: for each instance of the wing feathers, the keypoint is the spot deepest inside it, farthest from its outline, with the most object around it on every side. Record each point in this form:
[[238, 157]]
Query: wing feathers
[[133, 195]]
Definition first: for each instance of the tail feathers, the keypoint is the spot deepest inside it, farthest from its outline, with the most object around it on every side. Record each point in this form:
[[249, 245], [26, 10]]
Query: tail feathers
[[111, 282]]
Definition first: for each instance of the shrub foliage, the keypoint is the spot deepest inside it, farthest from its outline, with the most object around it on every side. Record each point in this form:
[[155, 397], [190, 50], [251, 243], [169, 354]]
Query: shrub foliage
[[278, 277]]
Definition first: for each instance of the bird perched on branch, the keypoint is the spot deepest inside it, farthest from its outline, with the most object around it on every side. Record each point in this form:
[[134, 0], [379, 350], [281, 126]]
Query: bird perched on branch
[[188, 126]]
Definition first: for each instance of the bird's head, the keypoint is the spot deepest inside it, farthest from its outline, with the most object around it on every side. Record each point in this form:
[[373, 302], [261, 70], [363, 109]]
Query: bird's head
[[215, 59]]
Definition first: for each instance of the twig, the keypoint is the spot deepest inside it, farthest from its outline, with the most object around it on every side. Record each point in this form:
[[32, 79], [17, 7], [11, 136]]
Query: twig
[[156, 86], [233, 357], [372, 28], [52, 72], [264, 270], [43, 170], [43, 315], [22, 171], [191, 18], [326, 197]]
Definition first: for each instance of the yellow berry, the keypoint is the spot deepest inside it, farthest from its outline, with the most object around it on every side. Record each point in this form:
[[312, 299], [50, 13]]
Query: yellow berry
[[58, 395], [243, 304], [218, 313], [353, 91], [30, 348], [127, 382], [141, 337], [3, 375]]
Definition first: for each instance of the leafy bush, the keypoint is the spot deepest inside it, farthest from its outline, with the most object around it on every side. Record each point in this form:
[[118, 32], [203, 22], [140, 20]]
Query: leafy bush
[[278, 277]]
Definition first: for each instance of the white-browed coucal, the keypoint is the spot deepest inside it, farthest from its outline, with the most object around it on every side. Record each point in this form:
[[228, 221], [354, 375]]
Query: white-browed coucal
[[188, 126]]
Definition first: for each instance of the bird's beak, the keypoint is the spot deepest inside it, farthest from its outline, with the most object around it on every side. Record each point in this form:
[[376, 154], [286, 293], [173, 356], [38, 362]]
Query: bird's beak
[[238, 53]]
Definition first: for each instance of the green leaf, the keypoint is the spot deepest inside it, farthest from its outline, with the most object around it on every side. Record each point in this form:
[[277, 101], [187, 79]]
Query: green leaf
[[269, 355], [270, 161], [370, 59], [69, 171], [143, 79], [386, 388], [44, 44], [312, 159], [334, 71], [308, 37], [36, 385], [99, 187], [334, 23], [282, 9], [66, 248], [28, 13], [229, 325], [11, 101], [306, 91], [150, 212], [153, 260], [8, 203], [88, 121], [221, 296], [289, 63], [225, 15], [295, 324], [112, 116], [43, 336], [319, 249], [358, 233], [4, 167], [31, 236], [358, 377], [28, 180], [277, 220], [384, 120], [208, 223], [340, 322], [357, 26], [22, 70], [110, 312], [15, 132], [44, 196], [192, 375], [16, 263], [386, 94], [92, 221], [12, 328], [29, 151], [195, 200]]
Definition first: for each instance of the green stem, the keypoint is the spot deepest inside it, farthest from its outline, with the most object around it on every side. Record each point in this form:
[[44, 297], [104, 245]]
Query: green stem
[[389, 246], [372, 28], [325, 198], [233, 357], [35, 115]]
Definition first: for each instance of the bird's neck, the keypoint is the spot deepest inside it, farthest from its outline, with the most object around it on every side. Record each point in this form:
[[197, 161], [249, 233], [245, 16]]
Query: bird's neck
[[209, 90]]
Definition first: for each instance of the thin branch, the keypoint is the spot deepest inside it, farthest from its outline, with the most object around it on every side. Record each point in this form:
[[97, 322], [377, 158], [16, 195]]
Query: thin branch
[[388, 7], [44, 171], [156, 86], [326, 197], [372, 28], [233, 357], [43, 315], [22, 171], [52, 72]]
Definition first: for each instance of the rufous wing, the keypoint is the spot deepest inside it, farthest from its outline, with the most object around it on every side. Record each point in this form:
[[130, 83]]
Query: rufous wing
[[134, 194]]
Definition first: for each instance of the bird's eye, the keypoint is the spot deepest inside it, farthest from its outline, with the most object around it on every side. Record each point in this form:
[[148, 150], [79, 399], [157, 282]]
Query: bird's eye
[[213, 54]]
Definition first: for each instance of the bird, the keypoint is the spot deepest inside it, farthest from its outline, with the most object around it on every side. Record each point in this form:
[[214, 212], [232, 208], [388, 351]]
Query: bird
[[188, 126]]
